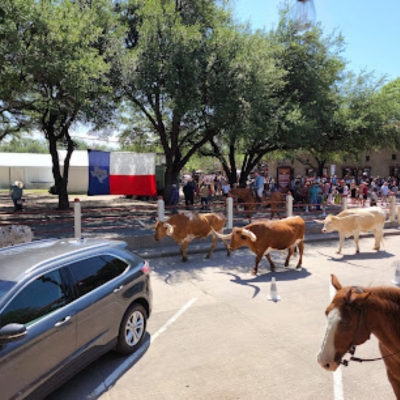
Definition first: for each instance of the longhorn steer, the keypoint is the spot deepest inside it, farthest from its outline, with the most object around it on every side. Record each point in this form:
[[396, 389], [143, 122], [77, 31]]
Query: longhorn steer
[[185, 227], [15, 234], [354, 221], [264, 236]]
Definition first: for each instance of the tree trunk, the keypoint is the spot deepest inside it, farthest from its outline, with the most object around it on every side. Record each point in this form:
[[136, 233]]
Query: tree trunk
[[59, 181], [321, 165]]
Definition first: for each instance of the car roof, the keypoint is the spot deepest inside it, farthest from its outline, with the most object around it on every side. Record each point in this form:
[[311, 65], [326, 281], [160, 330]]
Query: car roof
[[24, 258]]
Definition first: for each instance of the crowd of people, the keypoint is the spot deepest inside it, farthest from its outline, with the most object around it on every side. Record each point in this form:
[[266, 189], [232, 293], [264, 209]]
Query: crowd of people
[[366, 191], [361, 191]]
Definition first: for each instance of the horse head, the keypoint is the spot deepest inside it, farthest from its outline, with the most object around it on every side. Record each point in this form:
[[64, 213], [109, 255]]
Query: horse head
[[346, 325]]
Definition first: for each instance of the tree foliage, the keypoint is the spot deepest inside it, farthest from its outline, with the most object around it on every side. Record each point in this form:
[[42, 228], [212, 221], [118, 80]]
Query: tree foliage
[[62, 64]]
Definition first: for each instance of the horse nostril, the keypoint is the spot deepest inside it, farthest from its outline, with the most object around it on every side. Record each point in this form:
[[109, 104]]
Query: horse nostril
[[327, 365]]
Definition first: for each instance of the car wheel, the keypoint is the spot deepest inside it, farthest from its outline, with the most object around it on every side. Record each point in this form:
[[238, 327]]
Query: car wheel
[[132, 330]]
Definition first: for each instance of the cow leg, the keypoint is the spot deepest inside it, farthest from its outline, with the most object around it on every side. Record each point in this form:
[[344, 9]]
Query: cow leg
[[356, 240], [213, 244], [300, 245], [184, 251], [228, 252], [271, 263], [378, 238], [255, 269], [341, 240], [290, 252]]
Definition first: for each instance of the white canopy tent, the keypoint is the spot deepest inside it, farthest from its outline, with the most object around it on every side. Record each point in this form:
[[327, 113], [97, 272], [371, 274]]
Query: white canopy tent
[[35, 170]]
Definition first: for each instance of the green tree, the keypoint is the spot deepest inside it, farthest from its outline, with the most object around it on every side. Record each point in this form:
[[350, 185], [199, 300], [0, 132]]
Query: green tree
[[24, 145], [254, 122], [62, 56], [178, 73]]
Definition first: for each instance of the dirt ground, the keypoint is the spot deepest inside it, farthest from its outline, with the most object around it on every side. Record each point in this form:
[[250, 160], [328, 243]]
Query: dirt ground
[[39, 201]]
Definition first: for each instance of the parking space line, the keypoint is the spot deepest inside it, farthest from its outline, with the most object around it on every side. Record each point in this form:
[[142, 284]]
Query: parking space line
[[110, 380], [173, 319], [337, 375]]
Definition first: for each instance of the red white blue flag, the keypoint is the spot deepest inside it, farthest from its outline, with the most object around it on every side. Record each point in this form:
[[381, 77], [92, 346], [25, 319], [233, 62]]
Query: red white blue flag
[[122, 173]]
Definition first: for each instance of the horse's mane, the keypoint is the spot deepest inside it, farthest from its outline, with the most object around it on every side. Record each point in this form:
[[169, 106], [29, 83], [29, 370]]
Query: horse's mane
[[386, 299]]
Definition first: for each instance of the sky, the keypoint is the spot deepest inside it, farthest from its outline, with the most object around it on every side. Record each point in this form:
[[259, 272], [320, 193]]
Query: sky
[[371, 29]]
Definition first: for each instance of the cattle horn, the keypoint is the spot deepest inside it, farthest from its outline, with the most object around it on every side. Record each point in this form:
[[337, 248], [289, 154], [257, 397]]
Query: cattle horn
[[250, 234], [220, 235], [319, 222], [170, 228]]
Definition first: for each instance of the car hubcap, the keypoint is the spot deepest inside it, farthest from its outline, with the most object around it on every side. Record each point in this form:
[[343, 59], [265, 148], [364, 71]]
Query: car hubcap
[[134, 328]]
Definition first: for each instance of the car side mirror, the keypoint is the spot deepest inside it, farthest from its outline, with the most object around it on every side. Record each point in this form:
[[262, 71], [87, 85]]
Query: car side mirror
[[12, 333]]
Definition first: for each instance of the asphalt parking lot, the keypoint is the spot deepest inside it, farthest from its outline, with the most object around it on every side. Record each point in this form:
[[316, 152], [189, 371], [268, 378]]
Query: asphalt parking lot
[[215, 335]]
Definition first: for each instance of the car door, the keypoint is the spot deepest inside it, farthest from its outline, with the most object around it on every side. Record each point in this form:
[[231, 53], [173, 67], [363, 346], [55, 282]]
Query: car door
[[43, 306], [97, 284]]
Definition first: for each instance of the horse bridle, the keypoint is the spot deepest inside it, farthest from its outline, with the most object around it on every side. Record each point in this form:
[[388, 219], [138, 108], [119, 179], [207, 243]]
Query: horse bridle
[[352, 348]]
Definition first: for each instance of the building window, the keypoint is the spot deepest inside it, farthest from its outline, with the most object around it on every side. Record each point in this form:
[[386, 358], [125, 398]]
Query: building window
[[366, 158], [393, 156]]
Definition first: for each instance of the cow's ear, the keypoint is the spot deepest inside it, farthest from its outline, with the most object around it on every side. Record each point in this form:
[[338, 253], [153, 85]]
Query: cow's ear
[[335, 282]]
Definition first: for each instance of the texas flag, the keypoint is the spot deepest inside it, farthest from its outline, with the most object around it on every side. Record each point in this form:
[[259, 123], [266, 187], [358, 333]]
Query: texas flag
[[122, 173]]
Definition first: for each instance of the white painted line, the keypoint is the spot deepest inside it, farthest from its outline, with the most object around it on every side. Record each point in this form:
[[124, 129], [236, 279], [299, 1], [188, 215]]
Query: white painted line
[[337, 375], [172, 320], [110, 380]]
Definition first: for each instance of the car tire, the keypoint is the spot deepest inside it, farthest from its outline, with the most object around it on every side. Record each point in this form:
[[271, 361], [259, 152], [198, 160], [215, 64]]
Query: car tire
[[132, 330]]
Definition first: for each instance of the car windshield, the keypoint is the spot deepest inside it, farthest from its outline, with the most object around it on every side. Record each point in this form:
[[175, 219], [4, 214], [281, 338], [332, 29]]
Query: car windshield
[[5, 286]]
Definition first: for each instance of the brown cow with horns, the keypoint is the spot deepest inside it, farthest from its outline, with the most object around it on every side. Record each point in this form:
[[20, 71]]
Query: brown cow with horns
[[264, 236], [186, 226]]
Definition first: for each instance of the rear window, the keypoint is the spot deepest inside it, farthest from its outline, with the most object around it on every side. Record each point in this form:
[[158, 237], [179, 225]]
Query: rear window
[[93, 272]]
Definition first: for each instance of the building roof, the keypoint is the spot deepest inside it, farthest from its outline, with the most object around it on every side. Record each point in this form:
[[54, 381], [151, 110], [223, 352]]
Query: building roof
[[79, 159]]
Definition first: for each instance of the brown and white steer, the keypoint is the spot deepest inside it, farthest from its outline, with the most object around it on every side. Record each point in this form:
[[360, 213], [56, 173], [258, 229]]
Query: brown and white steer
[[15, 234], [262, 237], [184, 227], [355, 221]]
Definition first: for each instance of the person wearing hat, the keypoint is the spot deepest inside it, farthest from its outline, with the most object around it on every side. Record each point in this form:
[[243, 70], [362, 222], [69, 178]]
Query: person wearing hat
[[16, 195]]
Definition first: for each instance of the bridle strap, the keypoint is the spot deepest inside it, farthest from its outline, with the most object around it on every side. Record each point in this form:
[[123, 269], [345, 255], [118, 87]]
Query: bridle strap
[[360, 360]]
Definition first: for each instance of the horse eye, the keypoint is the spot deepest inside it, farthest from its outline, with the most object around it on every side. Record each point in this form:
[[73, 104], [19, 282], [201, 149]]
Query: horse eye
[[244, 237]]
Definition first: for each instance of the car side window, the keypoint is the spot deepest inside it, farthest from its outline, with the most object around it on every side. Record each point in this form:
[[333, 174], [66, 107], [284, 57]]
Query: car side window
[[118, 264], [41, 297], [91, 273]]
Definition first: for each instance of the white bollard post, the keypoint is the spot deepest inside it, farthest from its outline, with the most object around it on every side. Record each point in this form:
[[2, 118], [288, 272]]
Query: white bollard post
[[289, 205], [392, 210], [229, 212], [344, 203], [161, 209], [77, 219]]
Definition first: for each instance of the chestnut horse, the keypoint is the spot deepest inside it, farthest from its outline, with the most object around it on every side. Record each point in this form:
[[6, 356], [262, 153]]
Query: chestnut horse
[[353, 315], [246, 196]]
